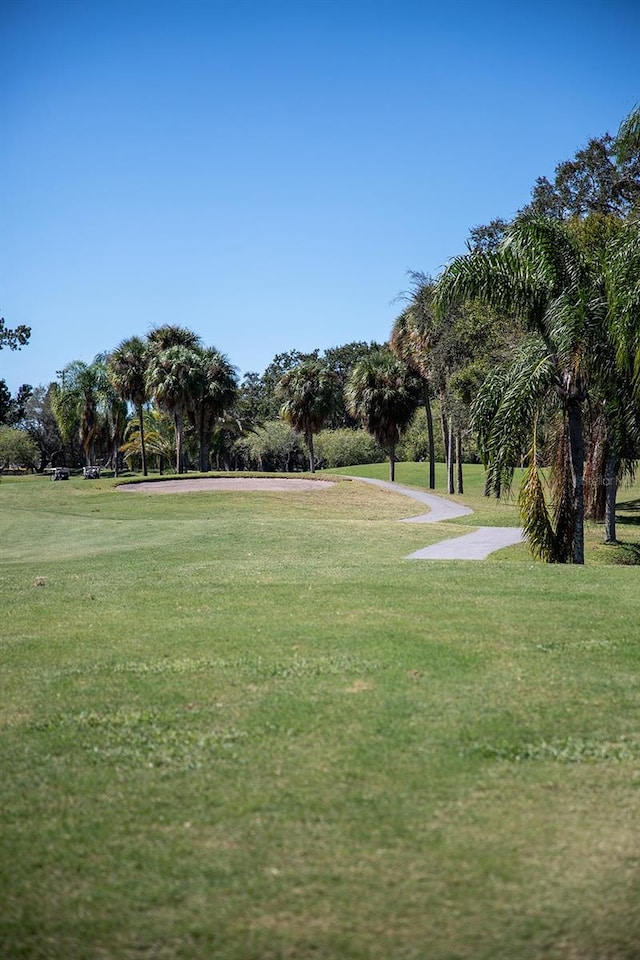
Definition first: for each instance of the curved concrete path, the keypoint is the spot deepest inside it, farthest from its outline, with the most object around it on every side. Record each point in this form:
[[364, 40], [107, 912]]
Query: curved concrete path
[[476, 545]]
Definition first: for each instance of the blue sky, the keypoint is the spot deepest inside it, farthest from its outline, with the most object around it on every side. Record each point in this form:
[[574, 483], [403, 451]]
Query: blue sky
[[267, 172]]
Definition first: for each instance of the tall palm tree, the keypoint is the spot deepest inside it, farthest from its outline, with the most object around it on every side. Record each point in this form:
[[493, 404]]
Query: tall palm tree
[[215, 388], [543, 274], [172, 379], [383, 393], [75, 403], [309, 395], [127, 367], [411, 341], [539, 274], [172, 335]]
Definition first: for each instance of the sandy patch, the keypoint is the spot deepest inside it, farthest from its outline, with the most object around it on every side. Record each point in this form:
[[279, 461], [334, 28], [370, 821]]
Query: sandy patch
[[200, 484]]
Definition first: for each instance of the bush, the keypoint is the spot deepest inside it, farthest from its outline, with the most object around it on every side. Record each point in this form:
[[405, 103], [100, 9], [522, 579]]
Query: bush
[[17, 449], [345, 448], [274, 446]]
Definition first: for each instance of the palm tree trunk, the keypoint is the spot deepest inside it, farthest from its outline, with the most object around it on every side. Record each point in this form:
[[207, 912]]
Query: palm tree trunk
[[449, 449], [392, 463], [459, 485], [312, 459], [576, 446], [432, 452], [445, 434], [143, 452], [177, 420], [611, 488]]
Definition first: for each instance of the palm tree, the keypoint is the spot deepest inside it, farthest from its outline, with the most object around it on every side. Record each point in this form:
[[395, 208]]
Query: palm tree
[[383, 393], [543, 274], [159, 438], [75, 402], [172, 335], [172, 379], [309, 396], [127, 366], [411, 341], [215, 388]]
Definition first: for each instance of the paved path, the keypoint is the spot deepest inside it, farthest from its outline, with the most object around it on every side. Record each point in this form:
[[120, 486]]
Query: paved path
[[471, 546]]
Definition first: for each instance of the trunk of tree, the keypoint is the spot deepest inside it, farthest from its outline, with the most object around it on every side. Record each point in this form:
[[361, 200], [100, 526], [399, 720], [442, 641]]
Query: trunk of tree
[[312, 459], [449, 449], [392, 464], [432, 452], [576, 446], [611, 489], [460, 486], [445, 433], [177, 419], [143, 452], [115, 457]]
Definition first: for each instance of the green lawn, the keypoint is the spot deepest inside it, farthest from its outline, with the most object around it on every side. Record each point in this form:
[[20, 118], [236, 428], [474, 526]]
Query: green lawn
[[240, 726]]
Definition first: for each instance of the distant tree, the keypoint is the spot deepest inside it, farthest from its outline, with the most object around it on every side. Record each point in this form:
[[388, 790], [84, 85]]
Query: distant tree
[[17, 449], [251, 406], [159, 439], [172, 379], [273, 446], [383, 393], [77, 402], [214, 390], [308, 394], [341, 360], [127, 368], [346, 446], [41, 425], [487, 236], [14, 339], [12, 408], [412, 340], [172, 335]]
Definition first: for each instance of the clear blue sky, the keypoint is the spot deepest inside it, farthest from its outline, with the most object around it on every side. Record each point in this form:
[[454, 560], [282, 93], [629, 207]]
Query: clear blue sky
[[267, 172]]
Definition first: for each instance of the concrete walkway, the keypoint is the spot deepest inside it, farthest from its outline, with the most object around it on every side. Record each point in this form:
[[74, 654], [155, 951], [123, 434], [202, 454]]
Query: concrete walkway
[[471, 546]]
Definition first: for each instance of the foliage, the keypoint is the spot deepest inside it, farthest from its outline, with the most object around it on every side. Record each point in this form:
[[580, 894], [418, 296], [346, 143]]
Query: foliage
[[159, 439], [543, 274], [308, 394], [258, 400], [344, 447], [273, 446], [41, 425], [14, 339], [127, 371], [17, 449], [211, 398], [12, 408], [84, 403], [383, 393]]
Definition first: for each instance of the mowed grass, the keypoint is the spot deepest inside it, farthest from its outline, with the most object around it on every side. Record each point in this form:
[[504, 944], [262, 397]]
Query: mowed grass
[[242, 726]]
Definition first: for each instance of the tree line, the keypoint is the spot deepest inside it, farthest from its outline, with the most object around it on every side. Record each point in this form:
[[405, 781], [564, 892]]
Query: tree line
[[525, 351]]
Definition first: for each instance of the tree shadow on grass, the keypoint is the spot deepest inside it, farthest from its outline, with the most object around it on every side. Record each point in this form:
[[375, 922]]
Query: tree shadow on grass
[[626, 507], [627, 554]]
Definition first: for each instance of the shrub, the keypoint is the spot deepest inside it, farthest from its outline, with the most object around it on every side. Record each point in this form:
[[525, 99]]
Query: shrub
[[345, 448]]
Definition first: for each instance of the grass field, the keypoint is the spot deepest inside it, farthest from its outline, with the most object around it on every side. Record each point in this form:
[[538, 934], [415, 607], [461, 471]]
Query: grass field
[[240, 726]]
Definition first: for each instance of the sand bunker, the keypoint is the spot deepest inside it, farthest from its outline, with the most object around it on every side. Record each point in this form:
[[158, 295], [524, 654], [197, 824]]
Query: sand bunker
[[208, 484]]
